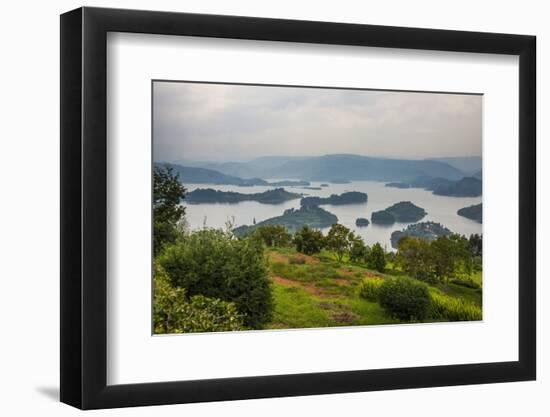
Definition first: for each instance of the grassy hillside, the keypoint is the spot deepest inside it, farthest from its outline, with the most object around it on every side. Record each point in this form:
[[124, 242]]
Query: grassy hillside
[[318, 291]]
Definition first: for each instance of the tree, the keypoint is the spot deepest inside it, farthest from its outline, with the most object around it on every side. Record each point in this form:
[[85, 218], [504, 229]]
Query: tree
[[273, 235], [377, 258], [358, 251], [449, 253], [214, 264], [167, 211], [414, 256], [476, 244], [309, 241], [339, 240], [405, 298]]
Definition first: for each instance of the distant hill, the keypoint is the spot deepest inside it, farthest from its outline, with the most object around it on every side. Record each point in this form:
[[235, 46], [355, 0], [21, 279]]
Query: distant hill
[[403, 212], [198, 175], [208, 195], [351, 197], [467, 164], [466, 187], [294, 220], [337, 168], [474, 212]]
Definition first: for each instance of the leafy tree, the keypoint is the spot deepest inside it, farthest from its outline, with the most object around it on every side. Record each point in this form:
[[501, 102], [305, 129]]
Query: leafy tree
[[404, 298], [414, 256], [174, 312], [449, 254], [273, 235], [309, 241], [339, 240], [476, 244], [167, 211], [358, 251], [214, 264], [377, 258]]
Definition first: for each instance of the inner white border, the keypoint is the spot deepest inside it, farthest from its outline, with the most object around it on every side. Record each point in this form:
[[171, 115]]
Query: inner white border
[[135, 356]]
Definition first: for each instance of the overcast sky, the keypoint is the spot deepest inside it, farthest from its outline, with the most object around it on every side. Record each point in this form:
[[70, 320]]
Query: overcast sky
[[236, 123]]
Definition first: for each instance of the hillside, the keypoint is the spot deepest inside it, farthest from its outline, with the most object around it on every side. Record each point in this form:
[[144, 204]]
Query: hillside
[[198, 175], [466, 187]]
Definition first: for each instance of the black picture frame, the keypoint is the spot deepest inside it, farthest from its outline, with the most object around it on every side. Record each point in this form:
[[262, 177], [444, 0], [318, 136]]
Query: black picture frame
[[84, 207]]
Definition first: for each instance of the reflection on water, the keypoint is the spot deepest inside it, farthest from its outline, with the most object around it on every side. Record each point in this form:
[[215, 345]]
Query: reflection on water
[[440, 208]]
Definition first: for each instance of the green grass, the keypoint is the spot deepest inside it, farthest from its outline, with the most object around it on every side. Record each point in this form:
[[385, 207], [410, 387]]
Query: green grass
[[319, 291]]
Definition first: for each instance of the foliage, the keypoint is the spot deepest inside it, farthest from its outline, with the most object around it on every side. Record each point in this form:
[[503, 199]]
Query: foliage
[[465, 282], [339, 239], [415, 258], [214, 264], [405, 299], [453, 309], [309, 241], [476, 245], [449, 253], [376, 258], [273, 235], [369, 288], [167, 211], [358, 251], [173, 312], [209, 195]]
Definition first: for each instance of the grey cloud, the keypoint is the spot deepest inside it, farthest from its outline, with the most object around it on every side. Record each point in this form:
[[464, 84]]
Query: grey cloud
[[232, 122]]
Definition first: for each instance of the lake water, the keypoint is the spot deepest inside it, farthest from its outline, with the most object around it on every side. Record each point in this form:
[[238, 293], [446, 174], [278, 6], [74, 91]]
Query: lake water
[[440, 209]]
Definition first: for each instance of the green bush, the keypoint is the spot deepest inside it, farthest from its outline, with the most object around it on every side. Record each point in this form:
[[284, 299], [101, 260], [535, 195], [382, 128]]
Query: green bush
[[453, 309], [404, 298], [174, 312], [214, 264], [273, 235], [309, 241], [376, 258], [369, 288]]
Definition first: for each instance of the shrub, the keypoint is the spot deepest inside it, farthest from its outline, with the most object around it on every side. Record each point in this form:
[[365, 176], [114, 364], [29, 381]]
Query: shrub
[[404, 298], [174, 312], [453, 309], [358, 251], [214, 264], [309, 241], [369, 288]]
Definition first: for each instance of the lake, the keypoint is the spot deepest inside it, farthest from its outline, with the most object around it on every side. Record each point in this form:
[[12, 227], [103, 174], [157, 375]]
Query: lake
[[440, 209]]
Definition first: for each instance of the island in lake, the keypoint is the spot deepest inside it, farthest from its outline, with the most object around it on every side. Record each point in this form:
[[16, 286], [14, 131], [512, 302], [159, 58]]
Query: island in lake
[[209, 195], [402, 212], [351, 197], [474, 212], [294, 220], [425, 230], [362, 222], [464, 187]]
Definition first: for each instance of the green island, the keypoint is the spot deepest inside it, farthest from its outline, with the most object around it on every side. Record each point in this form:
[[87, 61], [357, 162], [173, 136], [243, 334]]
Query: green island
[[350, 197], [474, 212], [426, 230], [209, 195], [294, 219], [402, 212], [464, 187], [279, 277], [362, 222]]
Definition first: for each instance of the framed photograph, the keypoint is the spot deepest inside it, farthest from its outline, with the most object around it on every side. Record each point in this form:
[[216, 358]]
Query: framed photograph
[[258, 208]]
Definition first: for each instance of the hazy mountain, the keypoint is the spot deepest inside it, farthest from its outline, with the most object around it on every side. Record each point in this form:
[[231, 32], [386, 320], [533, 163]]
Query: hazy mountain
[[338, 167], [467, 164], [198, 175]]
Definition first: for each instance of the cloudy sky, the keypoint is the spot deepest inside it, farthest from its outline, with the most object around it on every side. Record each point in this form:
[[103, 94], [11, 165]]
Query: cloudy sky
[[220, 122]]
